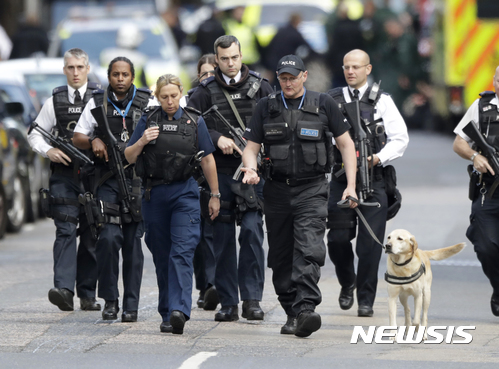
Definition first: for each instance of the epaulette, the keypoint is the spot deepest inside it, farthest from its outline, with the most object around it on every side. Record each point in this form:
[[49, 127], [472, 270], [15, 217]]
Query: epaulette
[[144, 89], [94, 85], [151, 110], [486, 93], [59, 89], [335, 92], [257, 75], [98, 91], [207, 80], [191, 109]]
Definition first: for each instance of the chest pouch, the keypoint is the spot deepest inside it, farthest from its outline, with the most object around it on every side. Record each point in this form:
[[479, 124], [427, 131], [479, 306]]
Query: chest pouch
[[275, 131], [312, 142]]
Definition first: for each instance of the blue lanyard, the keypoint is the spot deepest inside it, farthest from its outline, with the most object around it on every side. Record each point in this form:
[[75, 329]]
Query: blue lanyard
[[127, 107], [301, 102]]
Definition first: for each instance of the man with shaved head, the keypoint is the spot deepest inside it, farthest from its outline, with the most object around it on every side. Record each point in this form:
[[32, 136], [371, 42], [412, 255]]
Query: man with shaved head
[[388, 138], [483, 231]]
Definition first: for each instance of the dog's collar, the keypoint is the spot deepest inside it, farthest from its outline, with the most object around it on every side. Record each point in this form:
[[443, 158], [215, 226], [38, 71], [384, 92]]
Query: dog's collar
[[404, 263], [392, 279]]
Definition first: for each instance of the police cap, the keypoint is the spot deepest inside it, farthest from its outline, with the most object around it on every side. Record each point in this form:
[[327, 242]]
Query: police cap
[[290, 64]]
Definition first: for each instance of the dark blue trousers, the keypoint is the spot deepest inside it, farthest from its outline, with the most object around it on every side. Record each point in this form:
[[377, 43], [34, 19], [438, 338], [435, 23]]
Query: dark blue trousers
[[172, 221], [112, 239], [204, 259], [367, 249], [71, 264], [249, 273], [483, 233]]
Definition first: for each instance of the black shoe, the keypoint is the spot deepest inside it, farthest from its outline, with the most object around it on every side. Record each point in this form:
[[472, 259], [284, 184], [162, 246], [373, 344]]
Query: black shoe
[[165, 327], [252, 310], [129, 316], [290, 326], [307, 323], [200, 301], [346, 297], [494, 305], [365, 310], [110, 311], [211, 299], [89, 303], [62, 298], [227, 314], [177, 321]]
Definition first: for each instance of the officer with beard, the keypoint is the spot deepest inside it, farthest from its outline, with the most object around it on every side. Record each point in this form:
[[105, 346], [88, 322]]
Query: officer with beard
[[235, 90], [124, 104], [60, 113]]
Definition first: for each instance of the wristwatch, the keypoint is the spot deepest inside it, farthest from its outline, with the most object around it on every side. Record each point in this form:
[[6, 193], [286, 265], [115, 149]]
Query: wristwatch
[[219, 195], [474, 156]]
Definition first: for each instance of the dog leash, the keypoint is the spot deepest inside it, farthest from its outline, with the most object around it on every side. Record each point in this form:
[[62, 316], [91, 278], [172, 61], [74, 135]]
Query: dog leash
[[344, 204]]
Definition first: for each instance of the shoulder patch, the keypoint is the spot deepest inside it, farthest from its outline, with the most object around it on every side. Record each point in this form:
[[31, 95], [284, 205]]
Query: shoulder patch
[[59, 89]]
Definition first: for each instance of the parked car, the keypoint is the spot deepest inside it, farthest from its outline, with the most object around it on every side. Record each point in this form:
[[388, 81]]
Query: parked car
[[147, 39], [15, 154], [13, 89]]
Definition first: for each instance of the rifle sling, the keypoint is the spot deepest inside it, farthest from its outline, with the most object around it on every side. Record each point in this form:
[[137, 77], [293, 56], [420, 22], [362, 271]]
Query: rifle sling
[[233, 107]]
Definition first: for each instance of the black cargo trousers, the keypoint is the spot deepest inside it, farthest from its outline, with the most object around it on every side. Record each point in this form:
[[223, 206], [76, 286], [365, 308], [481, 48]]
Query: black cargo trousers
[[296, 225]]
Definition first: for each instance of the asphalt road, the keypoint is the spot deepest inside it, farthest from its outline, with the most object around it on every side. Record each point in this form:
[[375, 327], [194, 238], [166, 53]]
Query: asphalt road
[[433, 182]]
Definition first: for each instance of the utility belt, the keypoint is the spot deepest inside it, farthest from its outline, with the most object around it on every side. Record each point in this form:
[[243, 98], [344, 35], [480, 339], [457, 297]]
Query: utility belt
[[204, 198], [293, 182], [226, 170], [480, 184], [48, 201]]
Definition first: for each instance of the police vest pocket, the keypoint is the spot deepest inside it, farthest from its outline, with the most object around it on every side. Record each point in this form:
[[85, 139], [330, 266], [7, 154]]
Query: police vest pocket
[[309, 152], [279, 152], [150, 164], [310, 131], [140, 167], [275, 131]]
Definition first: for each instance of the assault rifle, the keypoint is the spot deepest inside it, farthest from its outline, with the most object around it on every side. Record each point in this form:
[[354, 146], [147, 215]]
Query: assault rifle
[[116, 164], [236, 133], [363, 148], [471, 130], [61, 144]]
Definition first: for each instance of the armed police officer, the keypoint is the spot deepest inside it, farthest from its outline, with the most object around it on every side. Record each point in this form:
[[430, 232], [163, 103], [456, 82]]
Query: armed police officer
[[235, 90], [177, 139], [483, 231], [116, 203], [388, 138], [296, 127], [59, 115]]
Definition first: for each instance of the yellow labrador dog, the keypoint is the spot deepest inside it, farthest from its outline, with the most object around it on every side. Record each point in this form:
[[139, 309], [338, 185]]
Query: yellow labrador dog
[[409, 274]]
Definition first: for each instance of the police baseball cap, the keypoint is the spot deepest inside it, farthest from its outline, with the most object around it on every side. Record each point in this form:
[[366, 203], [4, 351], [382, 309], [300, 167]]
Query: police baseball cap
[[290, 64]]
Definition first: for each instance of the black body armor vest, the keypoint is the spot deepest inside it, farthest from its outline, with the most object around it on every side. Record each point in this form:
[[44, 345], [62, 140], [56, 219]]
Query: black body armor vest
[[295, 140], [171, 157], [244, 105], [115, 120], [489, 118], [375, 129], [67, 114]]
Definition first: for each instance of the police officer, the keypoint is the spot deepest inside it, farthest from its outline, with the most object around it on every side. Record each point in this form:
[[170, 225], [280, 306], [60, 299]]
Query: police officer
[[204, 257], [124, 104], [171, 203], [60, 114], [388, 137], [483, 231], [233, 83], [296, 127]]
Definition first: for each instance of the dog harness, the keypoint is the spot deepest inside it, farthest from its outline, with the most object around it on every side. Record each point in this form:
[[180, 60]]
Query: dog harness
[[392, 279]]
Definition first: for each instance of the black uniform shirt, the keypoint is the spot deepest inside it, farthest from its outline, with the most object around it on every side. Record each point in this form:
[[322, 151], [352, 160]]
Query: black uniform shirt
[[328, 110]]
